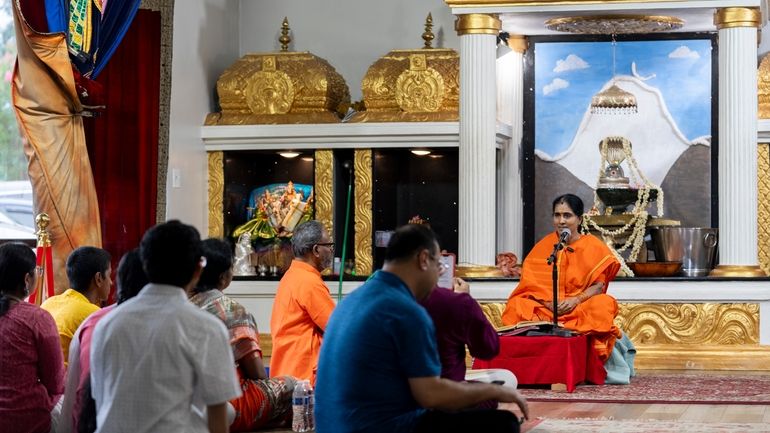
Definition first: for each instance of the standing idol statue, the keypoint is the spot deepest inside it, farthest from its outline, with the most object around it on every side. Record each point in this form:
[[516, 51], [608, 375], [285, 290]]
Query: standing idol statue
[[242, 266]]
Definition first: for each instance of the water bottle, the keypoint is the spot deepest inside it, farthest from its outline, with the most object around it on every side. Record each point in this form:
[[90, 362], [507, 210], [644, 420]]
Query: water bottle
[[309, 407], [303, 402]]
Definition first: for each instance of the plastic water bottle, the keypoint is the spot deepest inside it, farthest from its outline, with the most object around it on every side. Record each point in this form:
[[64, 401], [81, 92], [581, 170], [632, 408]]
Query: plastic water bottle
[[303, 402]]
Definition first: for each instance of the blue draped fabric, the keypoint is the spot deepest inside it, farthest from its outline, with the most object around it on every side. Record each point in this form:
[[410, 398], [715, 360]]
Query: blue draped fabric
[[108, 30], [56, 15], [115, 22]]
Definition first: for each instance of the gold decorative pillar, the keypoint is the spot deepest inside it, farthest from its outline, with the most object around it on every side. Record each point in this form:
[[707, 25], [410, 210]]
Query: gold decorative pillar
[[324, 189], [763, 207], [362, 170], [216, 194], [738, 255], [477, 171]]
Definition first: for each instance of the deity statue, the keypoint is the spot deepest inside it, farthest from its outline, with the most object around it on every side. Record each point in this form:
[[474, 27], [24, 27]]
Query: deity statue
[[276, 209], [243, 251]]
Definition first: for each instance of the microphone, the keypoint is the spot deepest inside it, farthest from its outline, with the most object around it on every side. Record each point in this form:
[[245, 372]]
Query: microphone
[[564, 235]]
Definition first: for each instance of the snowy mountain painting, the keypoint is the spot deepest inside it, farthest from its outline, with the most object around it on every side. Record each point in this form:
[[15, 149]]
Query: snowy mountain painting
[[670, 134]]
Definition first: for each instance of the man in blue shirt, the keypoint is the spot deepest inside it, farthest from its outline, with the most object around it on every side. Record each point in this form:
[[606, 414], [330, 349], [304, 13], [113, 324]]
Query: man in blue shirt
[[379, 369]]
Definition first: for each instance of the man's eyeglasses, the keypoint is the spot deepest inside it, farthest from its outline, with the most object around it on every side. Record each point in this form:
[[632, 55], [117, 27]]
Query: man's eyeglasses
[[329, 245]]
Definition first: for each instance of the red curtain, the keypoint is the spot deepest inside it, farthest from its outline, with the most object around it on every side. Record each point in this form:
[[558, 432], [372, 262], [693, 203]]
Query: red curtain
[[123, 141]]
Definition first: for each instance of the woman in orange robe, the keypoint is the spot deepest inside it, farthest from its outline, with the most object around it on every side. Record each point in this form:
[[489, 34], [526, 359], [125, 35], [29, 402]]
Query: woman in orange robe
[[585, 267]]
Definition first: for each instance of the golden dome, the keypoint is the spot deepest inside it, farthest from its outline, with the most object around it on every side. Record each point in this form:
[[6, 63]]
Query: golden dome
[[279, 88], [420, 85]]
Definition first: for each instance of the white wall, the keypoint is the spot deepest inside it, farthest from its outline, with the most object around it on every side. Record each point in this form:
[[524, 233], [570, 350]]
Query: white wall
[[349, 34], [205, 43]]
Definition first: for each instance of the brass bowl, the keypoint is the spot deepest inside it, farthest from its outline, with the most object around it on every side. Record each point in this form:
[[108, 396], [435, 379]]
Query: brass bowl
[[655, 269]]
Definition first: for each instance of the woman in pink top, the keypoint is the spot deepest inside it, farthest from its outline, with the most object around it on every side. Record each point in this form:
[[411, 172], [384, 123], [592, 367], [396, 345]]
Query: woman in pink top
[[31, 364]]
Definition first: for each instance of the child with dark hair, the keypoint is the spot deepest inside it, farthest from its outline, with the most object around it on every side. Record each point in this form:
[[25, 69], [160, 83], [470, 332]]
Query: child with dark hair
[[31, 366], [265, 402], [79, 408]]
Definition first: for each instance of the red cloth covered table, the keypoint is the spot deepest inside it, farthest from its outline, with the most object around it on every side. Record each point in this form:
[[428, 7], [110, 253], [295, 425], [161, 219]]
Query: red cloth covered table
[[545, 360]]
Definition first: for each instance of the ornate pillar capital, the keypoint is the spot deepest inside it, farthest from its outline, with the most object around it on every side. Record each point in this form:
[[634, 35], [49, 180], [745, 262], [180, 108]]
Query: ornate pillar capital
[[518, 43], [484, 24], [737, 17]]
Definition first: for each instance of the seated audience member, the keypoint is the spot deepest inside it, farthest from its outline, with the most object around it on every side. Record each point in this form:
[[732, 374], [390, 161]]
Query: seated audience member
[[302, 305], [31, 365], [79, 406], [459, 321], [379, 369], [157, 354], [586, 266], [88, 271], [265, 402]]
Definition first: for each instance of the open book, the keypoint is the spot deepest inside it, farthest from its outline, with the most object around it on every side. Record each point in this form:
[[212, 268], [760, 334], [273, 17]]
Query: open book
[[524, 327]]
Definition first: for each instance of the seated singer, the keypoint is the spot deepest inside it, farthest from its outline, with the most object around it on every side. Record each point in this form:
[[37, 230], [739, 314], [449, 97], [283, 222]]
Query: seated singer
[[585, 267]]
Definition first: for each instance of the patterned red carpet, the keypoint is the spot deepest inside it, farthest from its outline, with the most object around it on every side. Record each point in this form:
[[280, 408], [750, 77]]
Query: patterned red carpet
[[636, 426], [687, 388]]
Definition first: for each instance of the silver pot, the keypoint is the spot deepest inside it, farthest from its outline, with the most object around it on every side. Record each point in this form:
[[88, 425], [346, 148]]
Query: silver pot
[[695, 247]]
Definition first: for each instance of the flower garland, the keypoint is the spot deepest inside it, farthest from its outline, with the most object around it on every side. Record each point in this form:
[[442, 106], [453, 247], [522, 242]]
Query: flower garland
[[637, 225]]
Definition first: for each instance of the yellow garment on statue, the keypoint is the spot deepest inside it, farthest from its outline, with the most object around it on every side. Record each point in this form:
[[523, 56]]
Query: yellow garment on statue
[[48, 111], [69, 310]]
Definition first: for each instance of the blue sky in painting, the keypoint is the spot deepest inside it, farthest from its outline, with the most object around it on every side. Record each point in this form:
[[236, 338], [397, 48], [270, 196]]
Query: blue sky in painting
[[568, 74]]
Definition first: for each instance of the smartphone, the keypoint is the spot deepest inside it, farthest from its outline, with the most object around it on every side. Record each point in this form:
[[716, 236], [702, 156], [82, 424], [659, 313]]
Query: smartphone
[[447, 278]]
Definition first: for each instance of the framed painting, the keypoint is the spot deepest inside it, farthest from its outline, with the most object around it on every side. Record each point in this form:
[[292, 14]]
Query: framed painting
[[672, 130]]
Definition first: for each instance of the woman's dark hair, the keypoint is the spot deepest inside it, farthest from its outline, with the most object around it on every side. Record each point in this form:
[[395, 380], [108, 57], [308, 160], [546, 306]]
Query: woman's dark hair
[[409, 240], [131, 276], [574, 202], [16, 261], [219, 258]]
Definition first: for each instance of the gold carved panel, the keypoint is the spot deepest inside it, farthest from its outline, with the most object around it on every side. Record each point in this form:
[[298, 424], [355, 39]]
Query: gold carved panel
[[279, 88], [362, 169], [696, 324], [412, 86], [324, 189], [763, 206], [763, 88], [420, 88], [216, 194]]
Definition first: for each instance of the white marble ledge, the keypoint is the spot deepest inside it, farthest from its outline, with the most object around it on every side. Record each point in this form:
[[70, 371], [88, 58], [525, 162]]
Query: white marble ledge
[[624, 291]]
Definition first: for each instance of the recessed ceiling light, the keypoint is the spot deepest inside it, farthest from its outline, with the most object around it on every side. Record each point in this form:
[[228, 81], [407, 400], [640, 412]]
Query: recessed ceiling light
[[289, 154], [421, 152], [307, 158]]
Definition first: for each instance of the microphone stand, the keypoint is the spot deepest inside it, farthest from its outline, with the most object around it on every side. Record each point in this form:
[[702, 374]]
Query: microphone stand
[[556, 330]]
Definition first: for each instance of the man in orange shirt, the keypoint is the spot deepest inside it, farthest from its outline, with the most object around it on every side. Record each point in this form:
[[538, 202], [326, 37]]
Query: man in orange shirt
[[302, 305]]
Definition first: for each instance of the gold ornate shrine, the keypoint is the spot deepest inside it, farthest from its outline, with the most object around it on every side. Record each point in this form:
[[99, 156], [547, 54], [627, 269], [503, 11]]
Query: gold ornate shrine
[[421, 85], [280, 88]]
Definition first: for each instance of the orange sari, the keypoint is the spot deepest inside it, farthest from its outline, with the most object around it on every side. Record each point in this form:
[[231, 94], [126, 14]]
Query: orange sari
[[588, 262]]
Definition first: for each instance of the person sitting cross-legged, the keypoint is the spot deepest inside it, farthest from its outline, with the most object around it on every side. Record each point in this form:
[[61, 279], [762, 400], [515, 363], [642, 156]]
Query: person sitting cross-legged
[[460, 322], [302, 305], [31, 365], [379, 369], [79, 409], [265, 402], [157, 361], [89, 273]]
